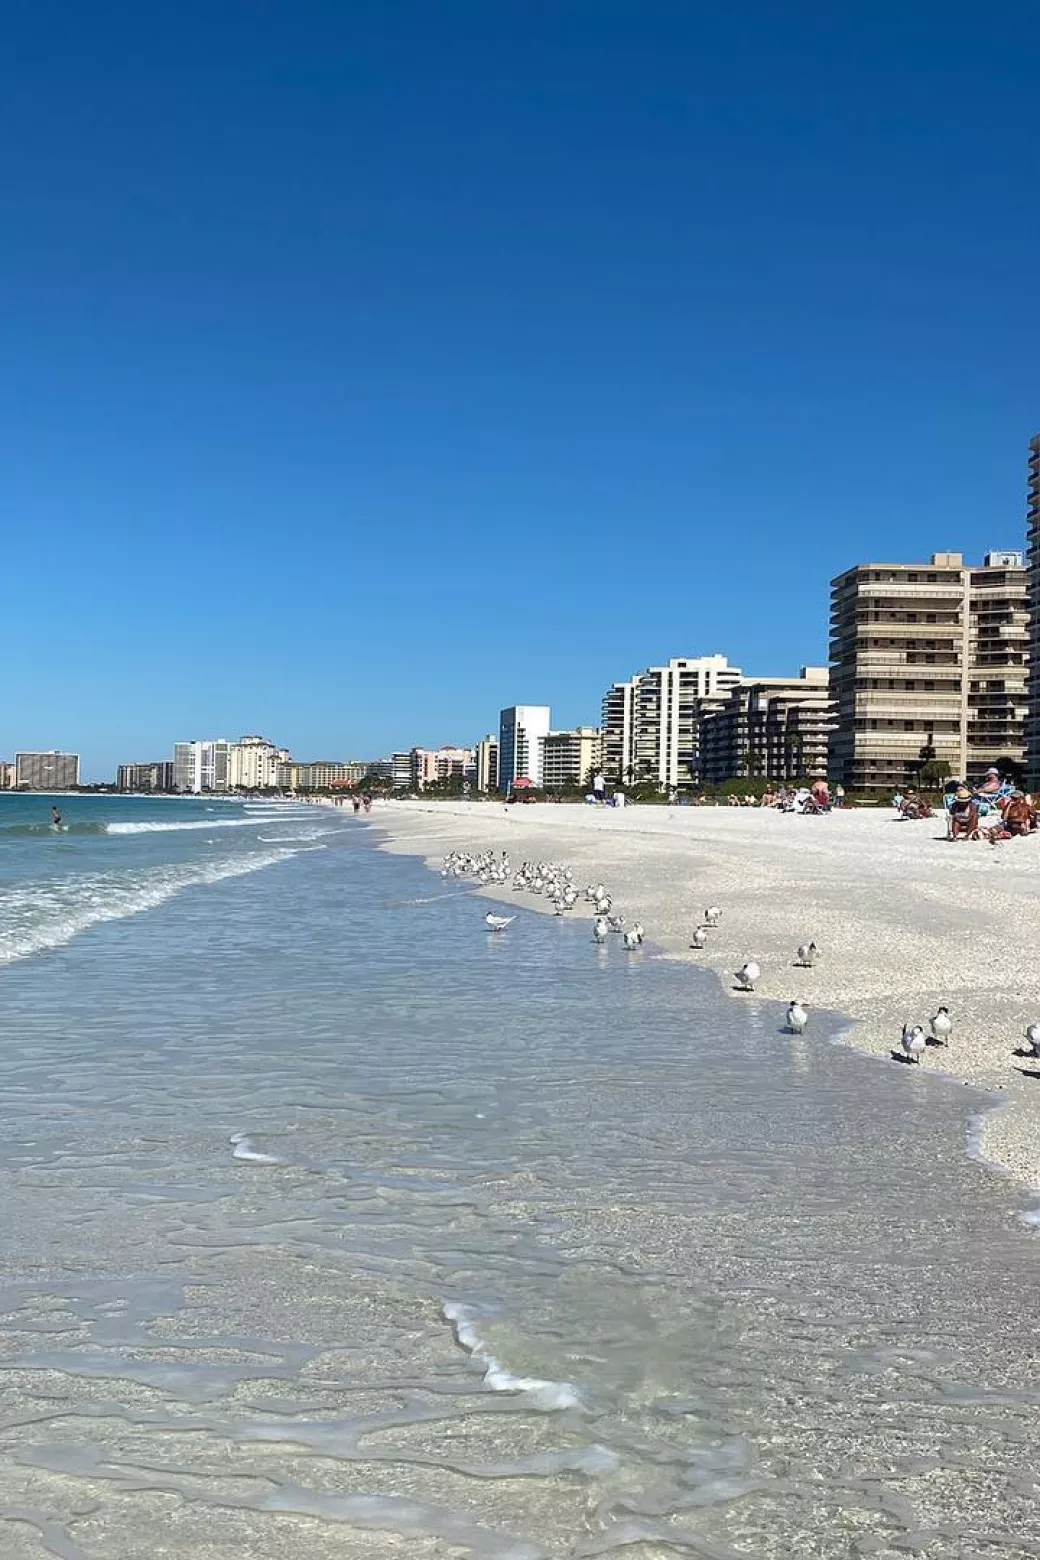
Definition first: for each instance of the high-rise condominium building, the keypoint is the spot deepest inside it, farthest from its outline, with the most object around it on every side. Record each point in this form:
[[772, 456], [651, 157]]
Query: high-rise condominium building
[[568, 757], [201, 766], [253, 764], [521, 731], [487, 763], [157, 776], [769, 728], [46, 771], [322, 774], [651, 724], [928, 664], [1033, 529]]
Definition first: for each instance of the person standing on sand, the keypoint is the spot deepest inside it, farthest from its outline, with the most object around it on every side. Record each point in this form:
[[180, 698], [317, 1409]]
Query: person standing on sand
[[599, 788]]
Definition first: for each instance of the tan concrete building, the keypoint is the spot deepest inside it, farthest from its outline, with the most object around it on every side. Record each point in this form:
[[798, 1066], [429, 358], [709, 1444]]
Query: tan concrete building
[[928, 663], [487, 763], [769, 728], [430, 765], [569, 756]]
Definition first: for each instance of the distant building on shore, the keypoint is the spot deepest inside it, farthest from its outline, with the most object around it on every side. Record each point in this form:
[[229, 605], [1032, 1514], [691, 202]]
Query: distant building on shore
[[201, 766], [522, 729], [430, 765], [323, 774], [769, 728], [46, 771], [651, 723], [253, 764], [569, 756], [487, 763], [157, 776], [1033, 543], [928, 666], [8, 774]]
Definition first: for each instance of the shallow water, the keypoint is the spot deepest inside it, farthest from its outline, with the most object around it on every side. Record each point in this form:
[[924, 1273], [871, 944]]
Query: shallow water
[[562, 1252]]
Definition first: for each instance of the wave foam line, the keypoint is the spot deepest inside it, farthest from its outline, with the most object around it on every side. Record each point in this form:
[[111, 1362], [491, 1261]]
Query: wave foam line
[[547, 1396], [161, 827], [80, 903]]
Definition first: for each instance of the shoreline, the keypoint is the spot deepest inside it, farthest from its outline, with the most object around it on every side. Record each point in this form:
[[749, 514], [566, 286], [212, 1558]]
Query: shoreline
[[905, 921]]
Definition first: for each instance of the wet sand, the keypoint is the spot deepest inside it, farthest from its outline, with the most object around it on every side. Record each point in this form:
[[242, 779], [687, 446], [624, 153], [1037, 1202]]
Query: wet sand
[[905, 919]]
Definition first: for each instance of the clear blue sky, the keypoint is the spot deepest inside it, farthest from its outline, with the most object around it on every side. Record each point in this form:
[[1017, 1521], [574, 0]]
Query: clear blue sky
[[370, 364]]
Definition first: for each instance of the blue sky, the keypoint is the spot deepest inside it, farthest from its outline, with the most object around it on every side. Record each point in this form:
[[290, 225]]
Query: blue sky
[[369, 366]]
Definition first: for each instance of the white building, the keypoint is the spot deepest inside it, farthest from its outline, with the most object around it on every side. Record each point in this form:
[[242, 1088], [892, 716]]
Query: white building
[[201, 766], [253, 764], [487, 763], [651, 723], [522, 729]]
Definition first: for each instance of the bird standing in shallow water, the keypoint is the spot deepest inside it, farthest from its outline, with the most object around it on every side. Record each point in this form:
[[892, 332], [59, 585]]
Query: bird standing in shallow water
[[600, 929], [797, 1016], [700, 937], [498, 923], [913, 1042], [747, 975], [942, 1026]]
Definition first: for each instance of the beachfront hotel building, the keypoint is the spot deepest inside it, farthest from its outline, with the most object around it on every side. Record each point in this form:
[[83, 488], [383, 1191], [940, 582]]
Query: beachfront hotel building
[[430, 765], [253, 764], [651, 723], [8, 774], [1033, 544], [487, 763], [522, 729], [769, 728], [568, 757], [46, 771], [157, 776], [321, 774], [928, 666], [201, 766]]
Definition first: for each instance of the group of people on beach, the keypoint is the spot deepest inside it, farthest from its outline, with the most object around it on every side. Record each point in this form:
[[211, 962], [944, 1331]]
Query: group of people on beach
[[995, 809]]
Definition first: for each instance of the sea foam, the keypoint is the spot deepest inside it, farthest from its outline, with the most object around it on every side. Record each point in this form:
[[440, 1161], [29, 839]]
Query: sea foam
[[547, 1396]]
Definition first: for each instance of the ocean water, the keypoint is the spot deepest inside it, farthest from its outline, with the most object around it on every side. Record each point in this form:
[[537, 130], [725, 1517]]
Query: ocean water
[[335, 1226]]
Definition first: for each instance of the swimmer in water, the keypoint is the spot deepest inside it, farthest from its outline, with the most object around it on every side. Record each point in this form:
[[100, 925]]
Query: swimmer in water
[[55, 818]]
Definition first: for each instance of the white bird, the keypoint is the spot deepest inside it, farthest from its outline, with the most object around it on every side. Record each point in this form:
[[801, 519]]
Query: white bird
[[712, 916], [600, 929], [797, 1016], [498, 923], [243, 1149], [632, 940], [1033, 1036], [700, 937], [942, 1026], [747, 975], [806, 955], [616, 923], [639, 930], [913, 1042]]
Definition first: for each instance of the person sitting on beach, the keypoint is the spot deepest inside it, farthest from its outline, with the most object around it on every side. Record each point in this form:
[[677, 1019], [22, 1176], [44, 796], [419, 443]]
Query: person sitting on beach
[[1019, 814], [964, 815], [914, 806], [991, 786], [820, 793]]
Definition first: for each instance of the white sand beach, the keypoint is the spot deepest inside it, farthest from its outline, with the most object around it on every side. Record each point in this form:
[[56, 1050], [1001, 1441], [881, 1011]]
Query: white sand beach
[[905, 919]]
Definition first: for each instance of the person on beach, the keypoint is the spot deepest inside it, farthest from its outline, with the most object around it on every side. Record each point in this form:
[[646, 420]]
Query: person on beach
[[55, 818], [991, 786], [1019, 815], [356, 805], [964, 815], [599, 788]]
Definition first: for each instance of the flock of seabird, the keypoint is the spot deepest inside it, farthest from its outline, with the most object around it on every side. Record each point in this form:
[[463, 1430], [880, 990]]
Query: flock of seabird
[[556, 883]]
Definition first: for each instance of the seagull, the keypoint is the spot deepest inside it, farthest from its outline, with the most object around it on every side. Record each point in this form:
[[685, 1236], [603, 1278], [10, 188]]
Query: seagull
[[616, 923], [747, 975], [913, 1042], [632, 940], [700, 937], [1033, 1036], [600, 929], [639, 930], [498, 923], [712, 916], [797, 1016], [942, 1026], [806, 955]]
